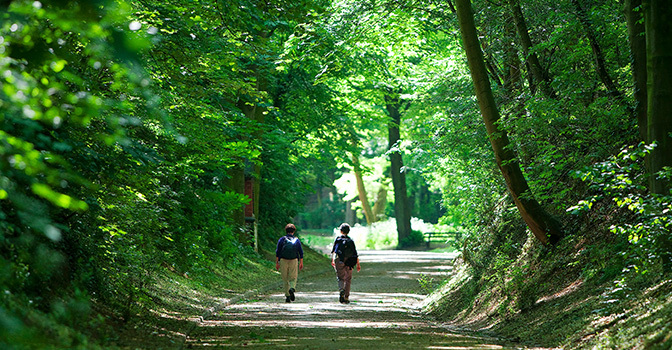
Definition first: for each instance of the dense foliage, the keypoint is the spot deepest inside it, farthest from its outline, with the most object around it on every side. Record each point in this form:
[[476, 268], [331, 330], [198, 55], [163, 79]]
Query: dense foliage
[[129, 130], [121, 125]]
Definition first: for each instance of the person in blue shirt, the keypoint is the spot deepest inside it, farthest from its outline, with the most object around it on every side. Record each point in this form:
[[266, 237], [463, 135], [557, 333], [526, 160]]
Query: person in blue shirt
[[344, 258], [289, 260]]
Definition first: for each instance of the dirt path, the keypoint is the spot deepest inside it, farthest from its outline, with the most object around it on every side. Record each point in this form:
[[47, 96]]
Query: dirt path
[[384, 312]]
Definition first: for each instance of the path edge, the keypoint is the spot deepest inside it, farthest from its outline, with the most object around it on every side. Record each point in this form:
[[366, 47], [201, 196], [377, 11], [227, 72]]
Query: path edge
[[246, 295]]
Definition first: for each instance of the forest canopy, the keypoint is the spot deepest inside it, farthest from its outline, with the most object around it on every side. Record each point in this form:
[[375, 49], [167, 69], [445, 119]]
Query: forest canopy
[[141, 135]]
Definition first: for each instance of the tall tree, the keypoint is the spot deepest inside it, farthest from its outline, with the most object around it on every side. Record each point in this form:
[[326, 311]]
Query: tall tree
[[542, 225], [512, 82], [381, 47], [659, 109], [659, 89], [634, 16], [600, 62], [381, 200], [539, 74], [402, 207], [361, 190]]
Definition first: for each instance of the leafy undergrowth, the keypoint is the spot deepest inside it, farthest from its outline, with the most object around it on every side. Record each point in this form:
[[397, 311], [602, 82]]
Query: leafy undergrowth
[[25, 326], [177, 302], [571, 297], [161, 315]]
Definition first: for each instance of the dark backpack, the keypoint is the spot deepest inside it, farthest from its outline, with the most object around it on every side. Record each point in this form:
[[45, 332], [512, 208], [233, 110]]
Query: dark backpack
[[347, 252], [289, 250]]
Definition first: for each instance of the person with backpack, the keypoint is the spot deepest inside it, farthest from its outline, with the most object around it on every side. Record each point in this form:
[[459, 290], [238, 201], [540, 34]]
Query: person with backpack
[[344, 248], [289, 256]]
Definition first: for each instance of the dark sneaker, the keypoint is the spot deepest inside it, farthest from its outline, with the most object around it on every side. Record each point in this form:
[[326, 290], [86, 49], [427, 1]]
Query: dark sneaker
[[341, 298], [347, 301], [288, 300], [291, 294]]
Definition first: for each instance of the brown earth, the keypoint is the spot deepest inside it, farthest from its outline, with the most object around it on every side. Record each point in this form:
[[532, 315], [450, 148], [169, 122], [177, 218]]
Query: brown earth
[[384, 313]]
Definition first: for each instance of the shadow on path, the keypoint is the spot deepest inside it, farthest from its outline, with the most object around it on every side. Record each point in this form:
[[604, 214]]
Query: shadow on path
[[384, 312]]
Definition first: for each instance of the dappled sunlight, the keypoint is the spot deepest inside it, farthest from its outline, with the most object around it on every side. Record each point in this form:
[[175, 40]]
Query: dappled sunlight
[[354, 338], [384, 311], [340, 341], [335, 323], [406, 275], [151, 153], [168, 314], [404, 256], [324, 302], [444, 268], [569, 289], [465, 347], [416, 274]]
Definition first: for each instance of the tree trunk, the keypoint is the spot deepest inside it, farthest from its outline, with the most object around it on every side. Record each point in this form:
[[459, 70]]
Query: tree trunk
[[657, 14], [252, 171], [544, 227], [659, 83], [539, 74], [236, 182], [513, 86], [402, 210], [349, 213], [381, 201], [512, 73], [361, 191], [600, 62], [633, 14]]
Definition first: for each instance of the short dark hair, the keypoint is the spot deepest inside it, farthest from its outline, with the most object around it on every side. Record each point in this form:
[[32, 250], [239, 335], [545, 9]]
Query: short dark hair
[[345, 228], [290, 228]]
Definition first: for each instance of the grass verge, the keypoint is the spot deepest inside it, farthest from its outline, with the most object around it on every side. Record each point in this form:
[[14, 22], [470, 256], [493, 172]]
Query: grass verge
[[176, 303], [558, 299]]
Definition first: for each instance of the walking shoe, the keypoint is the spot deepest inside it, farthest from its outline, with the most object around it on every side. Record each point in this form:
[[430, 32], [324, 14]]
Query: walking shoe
[[347, 301], [291, 294], [288, 300], [341, 298]]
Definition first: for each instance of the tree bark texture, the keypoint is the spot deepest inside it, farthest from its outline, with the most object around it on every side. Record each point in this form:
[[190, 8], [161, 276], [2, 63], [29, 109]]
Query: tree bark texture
[[657, 14], [361, 191], [539, 74], [381, 202], [402, 208], [634, 16], [544, 227], [659, 83]]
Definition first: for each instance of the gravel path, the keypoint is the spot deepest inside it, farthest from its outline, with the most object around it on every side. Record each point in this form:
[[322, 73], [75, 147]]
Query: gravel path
[[384, 312]]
